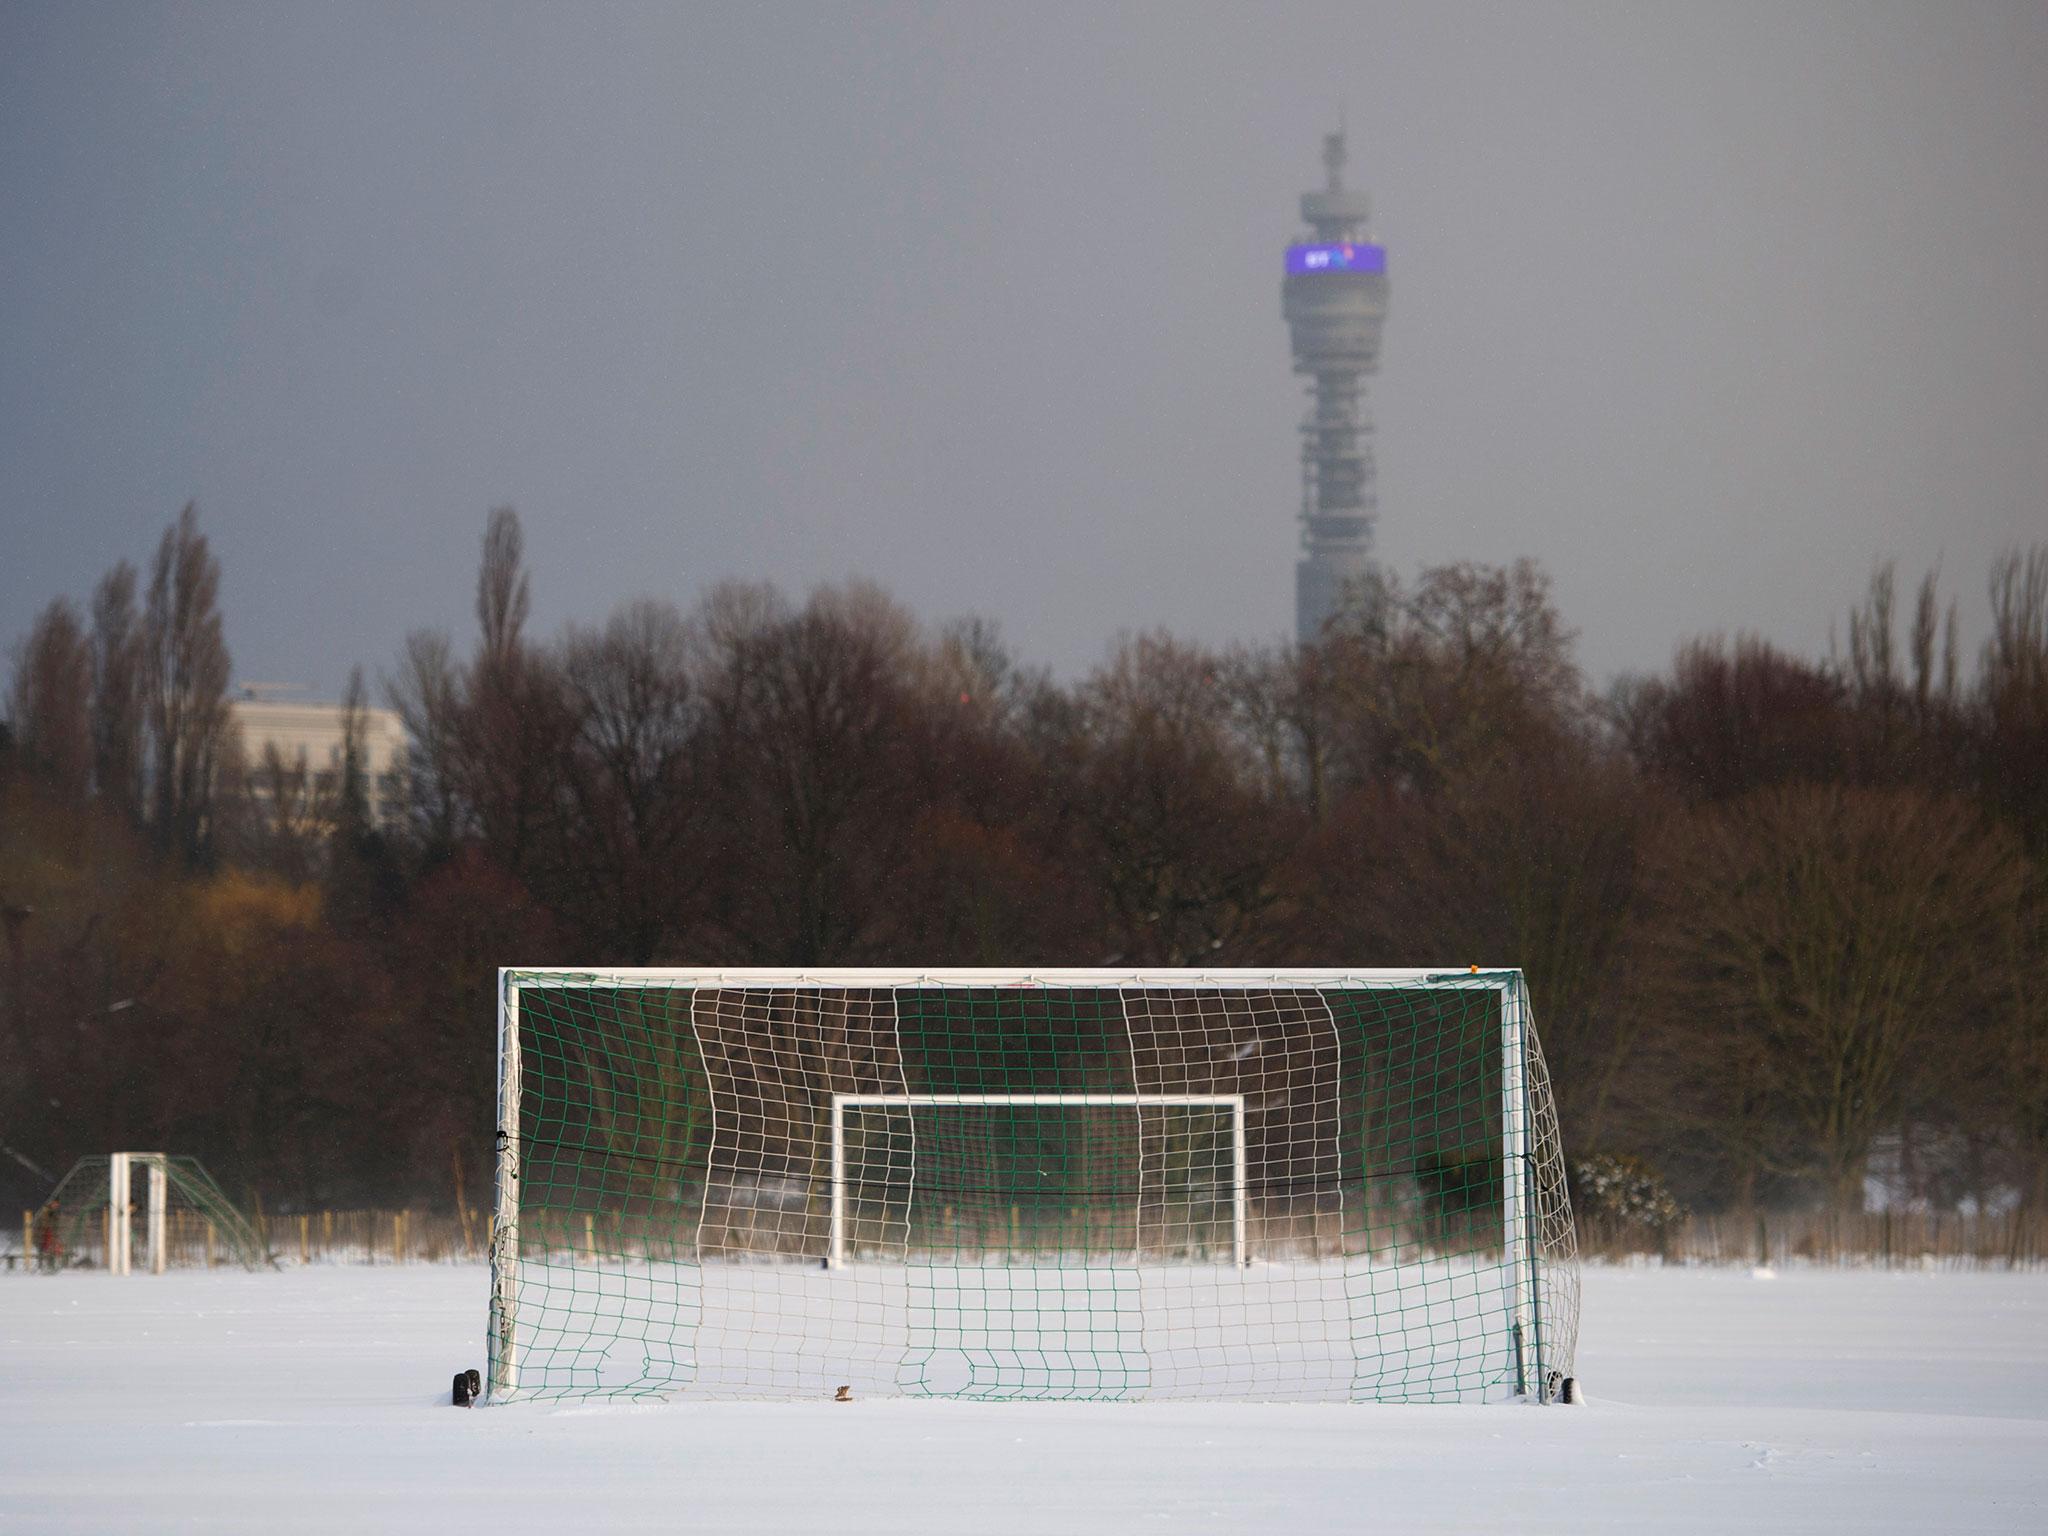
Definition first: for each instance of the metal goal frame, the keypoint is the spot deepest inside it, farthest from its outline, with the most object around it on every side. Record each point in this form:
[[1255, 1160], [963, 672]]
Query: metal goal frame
[[1516, 1109]]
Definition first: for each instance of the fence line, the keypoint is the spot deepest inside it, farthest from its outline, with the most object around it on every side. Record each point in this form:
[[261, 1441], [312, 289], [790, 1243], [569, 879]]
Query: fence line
[[306, 1237], [376, 1237], [1878, 1239]]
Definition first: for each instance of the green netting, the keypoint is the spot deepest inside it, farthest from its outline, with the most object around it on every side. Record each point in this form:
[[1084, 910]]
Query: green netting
[[202, 1227], [1148, 1187]]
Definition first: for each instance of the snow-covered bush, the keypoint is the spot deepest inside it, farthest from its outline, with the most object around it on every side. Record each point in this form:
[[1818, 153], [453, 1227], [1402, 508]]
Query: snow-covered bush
[[1620, 1196]]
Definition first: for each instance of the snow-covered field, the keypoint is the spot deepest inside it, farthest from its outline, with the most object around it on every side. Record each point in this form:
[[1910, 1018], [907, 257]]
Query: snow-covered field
[[315, 1400]]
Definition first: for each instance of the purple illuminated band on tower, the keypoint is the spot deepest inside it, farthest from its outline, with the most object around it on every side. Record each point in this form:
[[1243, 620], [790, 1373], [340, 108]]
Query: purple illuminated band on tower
[[1335, 258]]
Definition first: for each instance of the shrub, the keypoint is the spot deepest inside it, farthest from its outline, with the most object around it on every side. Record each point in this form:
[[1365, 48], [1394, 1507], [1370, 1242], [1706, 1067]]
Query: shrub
[[1622, 1196]]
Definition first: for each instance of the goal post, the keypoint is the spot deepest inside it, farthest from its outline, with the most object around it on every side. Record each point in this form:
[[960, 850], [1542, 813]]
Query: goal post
[[1270, 1185], [502, 1346], [121, 1206]]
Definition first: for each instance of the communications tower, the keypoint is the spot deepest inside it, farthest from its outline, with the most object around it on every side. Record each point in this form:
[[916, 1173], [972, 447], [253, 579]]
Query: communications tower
[[1334, 296]]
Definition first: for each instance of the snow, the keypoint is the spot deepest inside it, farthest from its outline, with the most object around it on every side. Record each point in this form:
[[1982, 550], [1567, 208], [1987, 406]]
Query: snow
[[316, 1400]]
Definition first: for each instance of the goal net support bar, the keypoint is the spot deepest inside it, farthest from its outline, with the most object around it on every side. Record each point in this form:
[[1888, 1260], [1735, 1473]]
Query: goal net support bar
[[1233, 1103]]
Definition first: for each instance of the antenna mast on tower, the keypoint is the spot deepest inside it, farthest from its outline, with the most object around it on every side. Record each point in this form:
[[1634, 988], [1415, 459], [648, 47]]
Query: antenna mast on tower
[[1334, 296]]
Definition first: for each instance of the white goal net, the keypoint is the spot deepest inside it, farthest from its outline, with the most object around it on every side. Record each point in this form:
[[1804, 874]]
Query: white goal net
[[1316, 1185]]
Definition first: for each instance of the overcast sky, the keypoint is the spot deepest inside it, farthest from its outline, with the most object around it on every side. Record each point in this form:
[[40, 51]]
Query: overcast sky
[[1705, 307]]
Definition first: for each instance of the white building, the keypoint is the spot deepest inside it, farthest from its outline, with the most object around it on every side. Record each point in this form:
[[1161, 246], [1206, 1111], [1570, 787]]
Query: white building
[[307, 736]]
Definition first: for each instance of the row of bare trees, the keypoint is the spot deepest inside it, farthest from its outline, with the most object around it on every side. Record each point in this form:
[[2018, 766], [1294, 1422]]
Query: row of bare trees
[[128, 702], [1782, 917]]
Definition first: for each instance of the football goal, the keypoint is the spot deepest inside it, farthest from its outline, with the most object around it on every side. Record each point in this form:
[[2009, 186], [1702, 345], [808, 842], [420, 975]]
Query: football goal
[[1305, 1185], [140, 1211]]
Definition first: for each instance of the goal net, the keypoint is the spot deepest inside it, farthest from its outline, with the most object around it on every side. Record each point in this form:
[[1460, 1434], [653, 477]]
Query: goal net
[[140, 1213], [1078, 1184]]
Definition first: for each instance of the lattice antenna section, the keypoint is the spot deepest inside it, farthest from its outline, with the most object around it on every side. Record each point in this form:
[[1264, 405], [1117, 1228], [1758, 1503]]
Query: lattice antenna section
[[1319, 1185]]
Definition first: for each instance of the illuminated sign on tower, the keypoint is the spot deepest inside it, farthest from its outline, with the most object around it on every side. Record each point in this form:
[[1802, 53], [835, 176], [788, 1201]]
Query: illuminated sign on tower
[[1334, 295]]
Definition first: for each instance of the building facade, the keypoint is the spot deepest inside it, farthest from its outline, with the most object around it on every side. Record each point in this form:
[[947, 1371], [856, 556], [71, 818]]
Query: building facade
[[306, 738]]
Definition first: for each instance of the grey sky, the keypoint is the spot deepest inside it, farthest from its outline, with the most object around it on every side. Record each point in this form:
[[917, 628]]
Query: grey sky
[[1706, 307]]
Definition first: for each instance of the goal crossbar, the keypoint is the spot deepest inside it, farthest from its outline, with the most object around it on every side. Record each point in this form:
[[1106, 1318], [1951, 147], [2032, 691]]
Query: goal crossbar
[[1110, 977], [1233, 1102]]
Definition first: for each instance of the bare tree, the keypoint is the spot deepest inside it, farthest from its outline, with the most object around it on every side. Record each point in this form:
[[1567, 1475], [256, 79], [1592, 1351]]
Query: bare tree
[[1732, 719], [352, 789], [2018, 1066], [2013, 694], [185, 675], [502, 596], [1929, 685], [1817, 946], [1450, 676], [1873, 645], [280, 814], [1182, 843], [485, 741], [514, 731], [1904, 717], [2012, 716], [515, 721], [979, 878], [117, 691], [1283, 704], [427, 691], [361, 877], [48, 701], [1534, 858], [630, 776], [809, 715]]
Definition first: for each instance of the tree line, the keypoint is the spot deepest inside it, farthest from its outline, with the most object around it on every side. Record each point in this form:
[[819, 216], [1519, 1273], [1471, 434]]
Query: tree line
[[1782, 917]]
